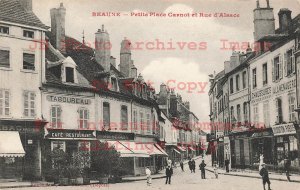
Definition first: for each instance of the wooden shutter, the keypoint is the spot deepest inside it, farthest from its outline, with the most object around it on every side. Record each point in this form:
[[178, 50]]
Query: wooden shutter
[[106, 114], [1, 101], [59, 123], [285, 64], [273, 70], [293, 61], [124, 117], [280, 67], [276, 111]]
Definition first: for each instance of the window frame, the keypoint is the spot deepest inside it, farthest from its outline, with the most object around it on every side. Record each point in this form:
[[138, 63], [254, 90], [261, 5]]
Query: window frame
[[83, 122], [4, 27], [31, 109], [28, 32], [5, 108], [9, 58], [254, 78], [31, 68]]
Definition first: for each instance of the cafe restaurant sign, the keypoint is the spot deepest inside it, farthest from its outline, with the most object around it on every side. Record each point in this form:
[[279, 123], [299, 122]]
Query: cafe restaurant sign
[[284, 129], [70, 100], [69, 134]]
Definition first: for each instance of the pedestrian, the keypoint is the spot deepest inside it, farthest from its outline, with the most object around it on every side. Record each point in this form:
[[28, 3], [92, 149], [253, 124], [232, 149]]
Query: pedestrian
[[227, 165], [287, 165], [181, 165], [148, 174], [169, 173], [193, 165], [265, 176], [216, 170], [202, 168], [190, 165]]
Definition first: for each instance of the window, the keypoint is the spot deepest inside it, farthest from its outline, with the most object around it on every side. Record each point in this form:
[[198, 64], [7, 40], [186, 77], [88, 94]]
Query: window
[[254, 78], [231, 85], [292, 114], [255, 114], [265, 74], [142, 122], [29, 104], [58, 145], [114, 84], [4, 58], [244, 78], [289, 62], [279, 118], [245, 112], [277, 68], [237, 80], [28, 61], [135, 124], [83, 118], [148, 123], [106, 115], [238, 110], [70, 74], [56, 117], [28, 34], [4, 29], [232, 114], [84, 146], [4, 102], [124, 118], [266, 113]]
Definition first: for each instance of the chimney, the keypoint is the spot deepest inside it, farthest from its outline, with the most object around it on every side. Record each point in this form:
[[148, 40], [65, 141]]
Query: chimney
[[264, 21], [133, 71], [268, 3], [58, 27], [26, 4], [102, 48], [113, 61], [125, 58], [285, 20]]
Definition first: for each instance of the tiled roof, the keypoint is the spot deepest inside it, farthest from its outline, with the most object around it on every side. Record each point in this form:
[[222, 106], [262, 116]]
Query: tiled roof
[[12, 11]]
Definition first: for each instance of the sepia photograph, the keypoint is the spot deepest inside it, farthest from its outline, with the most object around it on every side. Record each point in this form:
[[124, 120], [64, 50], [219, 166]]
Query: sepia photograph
[[150, 94]]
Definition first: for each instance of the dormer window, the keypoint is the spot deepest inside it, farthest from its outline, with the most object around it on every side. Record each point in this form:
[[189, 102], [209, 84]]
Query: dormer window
[[70, 74], [114, 84], [4, 30], [28, 34]]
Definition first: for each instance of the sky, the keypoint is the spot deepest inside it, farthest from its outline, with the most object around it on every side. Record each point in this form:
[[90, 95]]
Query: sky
[[197, 42]]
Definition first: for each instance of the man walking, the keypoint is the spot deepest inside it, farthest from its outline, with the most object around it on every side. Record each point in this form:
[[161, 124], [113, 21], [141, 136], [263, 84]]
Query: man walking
[[265, 176], [169, 173], [148, 174], [227, 165], [181, 165], [202, 168], [190, 165], [193, 165], [287, 165]]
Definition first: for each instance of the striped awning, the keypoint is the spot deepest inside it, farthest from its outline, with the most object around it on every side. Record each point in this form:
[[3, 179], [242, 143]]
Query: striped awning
[[129, 149], [10, 144]]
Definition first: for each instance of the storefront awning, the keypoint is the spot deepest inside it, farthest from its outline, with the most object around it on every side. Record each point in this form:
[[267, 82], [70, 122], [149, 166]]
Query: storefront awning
[[10, 144], [162, 150], [177, 151], [136, 150], [192, 149], [181, 148]]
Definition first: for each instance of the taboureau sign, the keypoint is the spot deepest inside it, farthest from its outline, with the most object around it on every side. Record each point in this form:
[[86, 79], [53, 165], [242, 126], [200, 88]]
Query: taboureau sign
[[285, 129], [70, 100]]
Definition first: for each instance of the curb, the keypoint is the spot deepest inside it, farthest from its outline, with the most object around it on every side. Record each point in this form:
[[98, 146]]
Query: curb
[[257, 177]]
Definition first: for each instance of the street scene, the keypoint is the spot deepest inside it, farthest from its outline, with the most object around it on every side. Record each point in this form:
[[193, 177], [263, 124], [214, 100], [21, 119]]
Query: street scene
[[164, 94]]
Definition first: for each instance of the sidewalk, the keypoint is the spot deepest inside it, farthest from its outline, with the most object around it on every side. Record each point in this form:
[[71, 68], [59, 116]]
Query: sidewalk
[[255, 174], [19, 184]]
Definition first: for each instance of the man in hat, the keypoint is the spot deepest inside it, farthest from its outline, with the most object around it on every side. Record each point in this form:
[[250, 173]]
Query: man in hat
[[265, 176]]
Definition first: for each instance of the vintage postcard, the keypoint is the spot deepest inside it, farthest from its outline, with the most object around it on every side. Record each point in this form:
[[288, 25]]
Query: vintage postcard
[[150, 94]]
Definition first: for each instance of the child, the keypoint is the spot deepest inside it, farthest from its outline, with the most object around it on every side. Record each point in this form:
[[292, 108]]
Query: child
[[216, 170], [148, 173]]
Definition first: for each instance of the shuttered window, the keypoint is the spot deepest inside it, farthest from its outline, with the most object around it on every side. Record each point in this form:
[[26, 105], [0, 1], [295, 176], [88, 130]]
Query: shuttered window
[[124, 117], [237, 80], [142, 122], [266, 113], [238, 110], [148, 123], [244, 78], [29, 104], [265, 74], [254, 80], [83, 118], [289, 62], [277, 68], [135, 124], [56, 117], [292, 113], [4, 58], [245, 108], [4, 102], [278, 103], [106, 115], [28, 61]]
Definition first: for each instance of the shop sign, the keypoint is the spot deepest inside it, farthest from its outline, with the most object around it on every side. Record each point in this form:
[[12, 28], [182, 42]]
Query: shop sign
[[263, 134], [69, 134], [70, 100], [285, 87], [261, 95], [284, 129], [114, 135], [19, 128]]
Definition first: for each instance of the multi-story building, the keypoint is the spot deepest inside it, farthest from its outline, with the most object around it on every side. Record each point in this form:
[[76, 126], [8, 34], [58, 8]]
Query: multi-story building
[[22, 68]]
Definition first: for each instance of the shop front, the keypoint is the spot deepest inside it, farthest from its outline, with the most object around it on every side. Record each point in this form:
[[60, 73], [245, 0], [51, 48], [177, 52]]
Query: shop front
[[20, 152], [286, 145]]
